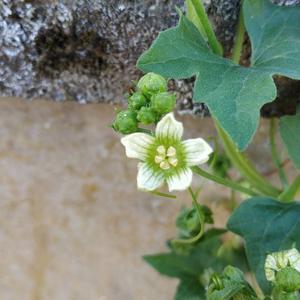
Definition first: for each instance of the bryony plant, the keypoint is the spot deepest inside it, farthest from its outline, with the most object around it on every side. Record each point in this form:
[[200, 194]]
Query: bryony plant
[[266, 225]]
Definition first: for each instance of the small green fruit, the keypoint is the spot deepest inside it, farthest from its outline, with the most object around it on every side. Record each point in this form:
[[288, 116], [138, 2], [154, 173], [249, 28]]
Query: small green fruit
[[136, 101], [147, 115], [163, 103], [151, 84], [126, 122]]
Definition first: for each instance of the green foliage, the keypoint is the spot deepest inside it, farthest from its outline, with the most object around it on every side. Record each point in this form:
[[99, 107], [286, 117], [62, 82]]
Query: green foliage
[[290, 134], [234, 94], [188, 223], [190, 289], [231, 284], [194, 269], [267, 226], [274, 34]]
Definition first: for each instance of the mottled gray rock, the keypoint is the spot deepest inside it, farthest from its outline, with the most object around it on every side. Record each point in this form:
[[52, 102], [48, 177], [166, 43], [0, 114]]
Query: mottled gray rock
[[82, 50], [286, 2], [86, 50]]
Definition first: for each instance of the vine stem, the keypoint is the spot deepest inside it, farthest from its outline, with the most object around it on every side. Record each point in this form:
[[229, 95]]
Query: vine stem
[[223, 181], [274, 153], [239, 39], [289, 194], [201, 217], [203, 18], [160, 194], [244, 165], [192, 16], [143, 130]]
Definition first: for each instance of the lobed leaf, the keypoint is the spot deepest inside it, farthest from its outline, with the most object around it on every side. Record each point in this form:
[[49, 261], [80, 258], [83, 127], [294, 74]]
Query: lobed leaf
[[267, 226], [190, 289], [290, 133]]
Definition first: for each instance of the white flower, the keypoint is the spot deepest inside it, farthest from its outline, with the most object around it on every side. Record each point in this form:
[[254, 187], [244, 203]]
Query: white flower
[[279, 260], [165, 158]]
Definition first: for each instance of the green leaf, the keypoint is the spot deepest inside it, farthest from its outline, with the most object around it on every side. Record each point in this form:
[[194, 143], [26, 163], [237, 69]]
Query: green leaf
[[203, 256], [190, 289], [234, 94], [290, 134], [267, 226], [274, 32], [227, 89], [233, 286], [194, 269], [171, 264]]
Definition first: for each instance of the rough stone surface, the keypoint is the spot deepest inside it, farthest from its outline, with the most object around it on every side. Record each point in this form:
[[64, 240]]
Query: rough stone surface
[[86, 50], [286, 2], [82, 50]]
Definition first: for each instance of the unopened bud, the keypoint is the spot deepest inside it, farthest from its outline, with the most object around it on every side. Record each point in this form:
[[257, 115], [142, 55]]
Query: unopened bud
[[151, 84], [147, 115], [126, 122], [288, 280], [163, 103], [136, 101]]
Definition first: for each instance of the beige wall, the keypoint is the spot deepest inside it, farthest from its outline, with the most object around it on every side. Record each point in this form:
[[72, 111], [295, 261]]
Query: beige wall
[[72, 224]]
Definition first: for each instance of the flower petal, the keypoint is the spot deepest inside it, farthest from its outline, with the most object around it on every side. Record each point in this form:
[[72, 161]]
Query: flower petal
[[197, 151], [147, 179], [294, 259], [181, 180], [169, 128], [137, 145]]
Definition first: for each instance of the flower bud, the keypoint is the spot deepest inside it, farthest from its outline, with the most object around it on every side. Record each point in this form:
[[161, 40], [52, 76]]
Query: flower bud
[[163, 102], [151, 84], [288, 280], [147, 115], [136, 101], [126, 122]]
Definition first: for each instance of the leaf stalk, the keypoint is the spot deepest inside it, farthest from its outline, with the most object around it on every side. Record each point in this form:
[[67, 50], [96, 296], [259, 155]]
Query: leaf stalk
[[203, 18], [245, 167], [223, 181], [239, 39], [289, 194], [274, 153]]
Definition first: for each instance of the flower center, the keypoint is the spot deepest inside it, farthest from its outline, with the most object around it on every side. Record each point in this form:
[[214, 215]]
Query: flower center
[[166, 157]]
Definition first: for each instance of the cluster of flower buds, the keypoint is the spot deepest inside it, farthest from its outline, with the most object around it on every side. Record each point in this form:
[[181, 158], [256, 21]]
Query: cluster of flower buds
[[146, 105]]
